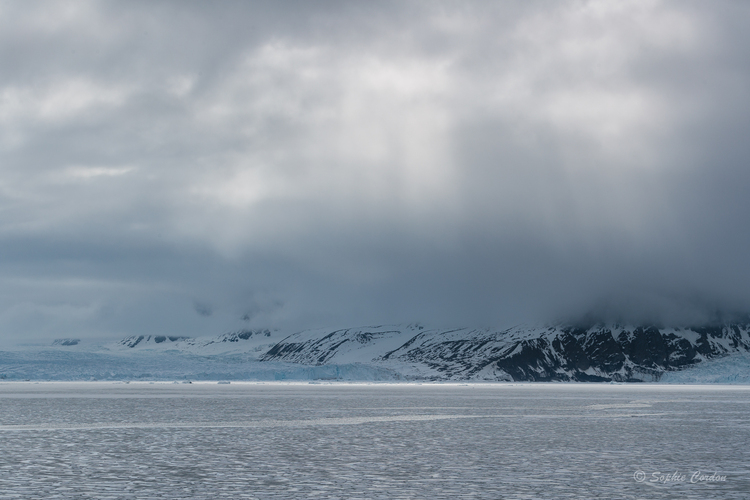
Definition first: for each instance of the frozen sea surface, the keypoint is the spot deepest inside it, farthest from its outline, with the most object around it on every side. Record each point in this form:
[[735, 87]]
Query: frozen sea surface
[[103, 440]]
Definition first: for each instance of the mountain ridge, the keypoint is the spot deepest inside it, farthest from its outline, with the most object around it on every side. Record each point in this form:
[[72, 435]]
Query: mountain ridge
[[553, 353]]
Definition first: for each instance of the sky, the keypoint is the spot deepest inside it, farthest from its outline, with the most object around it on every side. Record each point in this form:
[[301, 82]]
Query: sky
[[193, 168]]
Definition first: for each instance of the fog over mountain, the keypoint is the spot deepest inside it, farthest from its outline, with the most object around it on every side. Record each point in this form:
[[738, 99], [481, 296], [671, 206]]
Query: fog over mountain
[[191, 168]]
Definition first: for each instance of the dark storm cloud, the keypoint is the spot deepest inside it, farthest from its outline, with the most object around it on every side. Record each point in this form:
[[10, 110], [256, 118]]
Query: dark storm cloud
[[324, 164]]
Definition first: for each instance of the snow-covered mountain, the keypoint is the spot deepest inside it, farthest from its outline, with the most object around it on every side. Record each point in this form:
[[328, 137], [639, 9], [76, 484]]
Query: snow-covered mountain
[[559, 353], [404, 352], [258, 341]]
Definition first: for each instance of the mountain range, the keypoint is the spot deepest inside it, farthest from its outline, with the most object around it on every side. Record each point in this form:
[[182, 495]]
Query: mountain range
[[561, 353]]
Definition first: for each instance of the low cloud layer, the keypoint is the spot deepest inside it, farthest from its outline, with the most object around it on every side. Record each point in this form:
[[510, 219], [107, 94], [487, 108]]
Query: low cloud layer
[[190, 168]]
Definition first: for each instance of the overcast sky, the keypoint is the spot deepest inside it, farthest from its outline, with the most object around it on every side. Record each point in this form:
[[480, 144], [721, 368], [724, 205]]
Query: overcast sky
[[199, 167]]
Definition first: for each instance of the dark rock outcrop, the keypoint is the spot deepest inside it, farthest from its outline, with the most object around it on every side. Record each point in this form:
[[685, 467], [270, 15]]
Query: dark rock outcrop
[[563, 353]]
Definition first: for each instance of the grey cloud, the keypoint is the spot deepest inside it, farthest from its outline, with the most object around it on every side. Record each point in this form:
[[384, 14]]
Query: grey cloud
[[203, 309], [333, 163]]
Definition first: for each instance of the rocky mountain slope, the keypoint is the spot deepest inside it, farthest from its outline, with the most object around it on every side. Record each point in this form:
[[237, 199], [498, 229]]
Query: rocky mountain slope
[[597, 353], [258, 341], [560, 353]]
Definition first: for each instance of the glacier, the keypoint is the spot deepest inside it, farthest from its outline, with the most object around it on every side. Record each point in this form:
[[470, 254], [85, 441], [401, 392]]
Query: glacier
[[413, 352]]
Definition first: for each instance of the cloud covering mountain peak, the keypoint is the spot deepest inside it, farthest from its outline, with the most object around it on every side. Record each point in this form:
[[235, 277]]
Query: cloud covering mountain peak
[[180, 168]]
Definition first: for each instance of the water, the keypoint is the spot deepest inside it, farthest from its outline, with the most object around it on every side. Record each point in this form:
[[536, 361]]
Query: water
[[271, 440]]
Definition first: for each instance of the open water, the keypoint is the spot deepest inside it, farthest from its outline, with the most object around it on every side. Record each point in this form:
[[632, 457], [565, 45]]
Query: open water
[[103, 440]]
